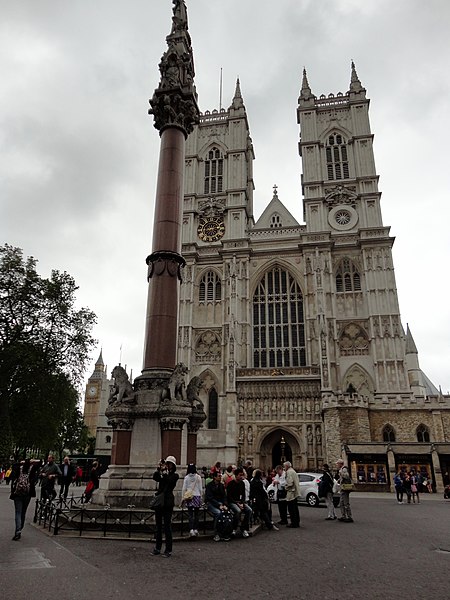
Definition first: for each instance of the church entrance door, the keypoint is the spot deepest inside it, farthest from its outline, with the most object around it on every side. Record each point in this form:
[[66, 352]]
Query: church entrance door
[[278, 445]]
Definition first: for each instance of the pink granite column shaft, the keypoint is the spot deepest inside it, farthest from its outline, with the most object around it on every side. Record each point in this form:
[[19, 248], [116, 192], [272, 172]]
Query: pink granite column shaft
[[160, 345]]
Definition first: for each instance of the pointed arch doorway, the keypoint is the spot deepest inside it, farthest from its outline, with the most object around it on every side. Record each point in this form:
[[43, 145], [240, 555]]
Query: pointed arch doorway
[[277, 443]]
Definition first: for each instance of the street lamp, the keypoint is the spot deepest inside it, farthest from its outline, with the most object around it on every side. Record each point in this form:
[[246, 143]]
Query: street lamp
[[283, 446]]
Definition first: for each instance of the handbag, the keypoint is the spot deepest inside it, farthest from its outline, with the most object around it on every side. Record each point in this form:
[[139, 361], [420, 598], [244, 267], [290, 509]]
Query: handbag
[[89, 487], [188, 495], [414, 488], [336, 487], [194, 502], [157, 501], [347, 487]]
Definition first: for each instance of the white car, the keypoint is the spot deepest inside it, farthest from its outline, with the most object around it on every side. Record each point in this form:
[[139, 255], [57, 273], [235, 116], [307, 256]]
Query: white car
[[309, 489]]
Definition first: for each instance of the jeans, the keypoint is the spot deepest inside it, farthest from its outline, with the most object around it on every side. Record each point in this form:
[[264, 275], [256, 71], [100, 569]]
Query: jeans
[[164, 514], [282, 510], [20, 505], [215, 512], [193, 517], [237, 512], [330, 505], [399, 492], [346, 511]]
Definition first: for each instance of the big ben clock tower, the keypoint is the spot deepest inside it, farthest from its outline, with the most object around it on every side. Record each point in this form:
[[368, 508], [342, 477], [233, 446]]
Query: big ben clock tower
[[95, 404]]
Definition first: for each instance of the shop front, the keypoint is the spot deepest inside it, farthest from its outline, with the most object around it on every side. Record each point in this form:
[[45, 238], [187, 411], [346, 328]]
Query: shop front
[[370, 472]]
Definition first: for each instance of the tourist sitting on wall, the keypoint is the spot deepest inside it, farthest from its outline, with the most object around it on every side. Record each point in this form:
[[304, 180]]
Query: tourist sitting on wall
[[216, 500], [236, 502]]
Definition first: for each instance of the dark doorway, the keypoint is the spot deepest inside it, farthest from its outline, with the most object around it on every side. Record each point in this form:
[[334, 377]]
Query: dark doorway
[[276, 453]]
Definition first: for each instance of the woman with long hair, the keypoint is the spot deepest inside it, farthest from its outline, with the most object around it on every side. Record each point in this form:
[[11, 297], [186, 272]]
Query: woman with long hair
[[24, 477], [166, 475], [192, 497]]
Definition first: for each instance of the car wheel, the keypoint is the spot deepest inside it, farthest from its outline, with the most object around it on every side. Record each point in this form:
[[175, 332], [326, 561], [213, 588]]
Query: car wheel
[[312, 500]]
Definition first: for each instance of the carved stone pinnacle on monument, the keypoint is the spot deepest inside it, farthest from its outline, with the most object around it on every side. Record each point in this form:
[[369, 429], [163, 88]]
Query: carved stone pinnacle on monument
[[174, 103]]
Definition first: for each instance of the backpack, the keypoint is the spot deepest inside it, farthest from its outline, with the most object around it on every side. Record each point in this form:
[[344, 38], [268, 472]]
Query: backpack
[[322, 488], [22, 487], [224, 524]]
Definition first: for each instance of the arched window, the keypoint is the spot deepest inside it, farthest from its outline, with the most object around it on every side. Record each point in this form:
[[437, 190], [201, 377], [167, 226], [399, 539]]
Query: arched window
[[348, 278], [337, 160], [275, 221], [423, 433], [213, 172], [213, 405], [278, 321], [388, 433], [108, 439], [210, 288]]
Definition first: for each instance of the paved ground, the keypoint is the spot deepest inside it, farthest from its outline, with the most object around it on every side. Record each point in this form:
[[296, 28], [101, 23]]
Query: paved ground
[[391, 551]]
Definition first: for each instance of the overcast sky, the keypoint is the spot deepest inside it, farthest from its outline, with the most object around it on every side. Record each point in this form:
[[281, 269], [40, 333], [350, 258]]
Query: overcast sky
[[78, 152]]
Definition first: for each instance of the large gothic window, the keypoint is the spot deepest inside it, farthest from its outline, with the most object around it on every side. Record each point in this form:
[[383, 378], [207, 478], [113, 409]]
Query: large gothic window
[[423, 433], [213, 405], [213, 182], [348, 278], [210, 288], [278, 322], [388, 433], [337, 160]]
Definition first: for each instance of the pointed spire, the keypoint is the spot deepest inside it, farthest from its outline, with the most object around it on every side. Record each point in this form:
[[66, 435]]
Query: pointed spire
[[355, 84], [237, 101], [410, 344], [100, 358], [305, 93]]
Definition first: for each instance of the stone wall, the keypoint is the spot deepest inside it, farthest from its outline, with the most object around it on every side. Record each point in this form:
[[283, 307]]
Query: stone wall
[[404, 422]]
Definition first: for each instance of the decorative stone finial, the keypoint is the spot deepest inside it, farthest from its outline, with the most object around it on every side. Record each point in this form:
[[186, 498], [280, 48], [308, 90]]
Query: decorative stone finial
[[237, 101], [174, 103], [275, 191]]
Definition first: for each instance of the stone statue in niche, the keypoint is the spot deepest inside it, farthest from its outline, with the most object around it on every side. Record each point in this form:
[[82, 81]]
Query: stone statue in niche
[[241, 408], [241, 434], [257, 408], [318, 436], [309, 435], [250, 435], [266, 408]]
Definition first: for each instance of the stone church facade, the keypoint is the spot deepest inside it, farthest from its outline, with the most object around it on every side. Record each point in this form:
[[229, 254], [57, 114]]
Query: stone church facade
[[295, 329]]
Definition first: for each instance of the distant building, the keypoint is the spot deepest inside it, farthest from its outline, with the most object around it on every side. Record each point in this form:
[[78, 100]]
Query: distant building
[[295, 329], [95, 403]]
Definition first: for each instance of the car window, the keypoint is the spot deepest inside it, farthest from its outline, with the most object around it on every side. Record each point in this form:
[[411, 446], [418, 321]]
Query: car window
[[305, 478]]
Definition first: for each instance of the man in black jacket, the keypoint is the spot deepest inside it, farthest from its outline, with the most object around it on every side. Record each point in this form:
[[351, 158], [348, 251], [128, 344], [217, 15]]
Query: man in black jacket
[[216, 499], [67, 477], [236, 502]]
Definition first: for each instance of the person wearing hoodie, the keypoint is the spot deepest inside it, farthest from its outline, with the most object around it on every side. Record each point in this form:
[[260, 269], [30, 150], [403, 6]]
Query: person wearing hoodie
[[192, 497]]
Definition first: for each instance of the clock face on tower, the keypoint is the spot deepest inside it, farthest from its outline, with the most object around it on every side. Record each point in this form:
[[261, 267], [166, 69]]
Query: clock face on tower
[[210, 229], [92, 390]]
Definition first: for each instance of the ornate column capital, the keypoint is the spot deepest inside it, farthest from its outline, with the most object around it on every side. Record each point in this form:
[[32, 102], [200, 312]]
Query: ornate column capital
[[163, 260]]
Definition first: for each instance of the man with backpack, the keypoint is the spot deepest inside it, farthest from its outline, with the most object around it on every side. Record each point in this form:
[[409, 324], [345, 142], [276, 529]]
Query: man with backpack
[[216, 501]]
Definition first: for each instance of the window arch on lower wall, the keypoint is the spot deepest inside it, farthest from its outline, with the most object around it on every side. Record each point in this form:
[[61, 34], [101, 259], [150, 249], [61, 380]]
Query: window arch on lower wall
[[423, 433], [209, 395], [278, 321], [388, 433]]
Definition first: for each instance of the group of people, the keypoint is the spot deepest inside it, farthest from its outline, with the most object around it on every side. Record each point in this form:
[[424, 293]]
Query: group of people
[[237, 496], [411, 484], [25, 475]]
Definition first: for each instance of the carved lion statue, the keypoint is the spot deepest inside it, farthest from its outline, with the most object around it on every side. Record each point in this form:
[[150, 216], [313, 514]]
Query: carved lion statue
[[192, 391], [177, 384], [122, 390]]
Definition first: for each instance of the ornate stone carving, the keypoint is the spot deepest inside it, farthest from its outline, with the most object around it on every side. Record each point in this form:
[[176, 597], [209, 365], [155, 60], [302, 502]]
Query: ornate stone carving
[[176, 389], [164, 261], [192, 391], [353, 340], [174, 103], [122, 391], [340, 195], [208, 348]]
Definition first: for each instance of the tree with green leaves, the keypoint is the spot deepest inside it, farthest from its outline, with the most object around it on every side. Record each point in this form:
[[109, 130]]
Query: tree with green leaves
[[44, 349]]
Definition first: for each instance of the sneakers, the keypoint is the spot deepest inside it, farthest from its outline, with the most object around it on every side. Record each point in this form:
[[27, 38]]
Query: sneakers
[[155, 552], [192, 533], [216, 538], [233, 533], [275, 528], [196, 532], [166, 554], [245, 534]]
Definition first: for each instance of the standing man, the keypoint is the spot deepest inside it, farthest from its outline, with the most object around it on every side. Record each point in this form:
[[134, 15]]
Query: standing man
[[67, 477], [48, 475], [327, 485], [293, 493], [344, 480]]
